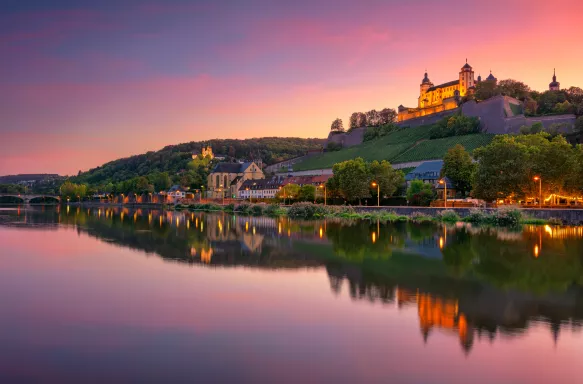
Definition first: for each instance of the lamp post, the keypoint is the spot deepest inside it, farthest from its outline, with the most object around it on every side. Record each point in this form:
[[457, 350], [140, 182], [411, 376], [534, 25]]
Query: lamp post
[[247, 189], [375, 184], [282, 188], [201, 192], [540, 190], [442, 181], [324, 186]]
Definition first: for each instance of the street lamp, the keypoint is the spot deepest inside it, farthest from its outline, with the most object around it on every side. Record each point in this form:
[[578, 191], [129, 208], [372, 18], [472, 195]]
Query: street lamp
[[323, 186], [201, 192], [444, 183], [247, 189], [375, 184], [540, 189], [282, 188]]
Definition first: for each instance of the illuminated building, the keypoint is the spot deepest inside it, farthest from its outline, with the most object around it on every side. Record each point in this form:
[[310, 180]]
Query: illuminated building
[[443, 97]]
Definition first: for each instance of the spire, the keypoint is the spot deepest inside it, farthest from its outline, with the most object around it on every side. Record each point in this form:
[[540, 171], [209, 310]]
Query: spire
[[554, 75]]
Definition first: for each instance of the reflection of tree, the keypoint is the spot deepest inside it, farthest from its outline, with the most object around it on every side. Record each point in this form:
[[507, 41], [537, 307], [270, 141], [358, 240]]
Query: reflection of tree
[[458, 253]]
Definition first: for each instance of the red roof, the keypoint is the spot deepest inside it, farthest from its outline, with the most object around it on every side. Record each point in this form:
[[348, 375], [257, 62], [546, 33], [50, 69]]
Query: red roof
[[307, 180]]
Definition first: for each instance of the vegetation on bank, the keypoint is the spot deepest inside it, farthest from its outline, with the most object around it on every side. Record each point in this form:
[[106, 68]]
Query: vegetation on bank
[[503, 217]]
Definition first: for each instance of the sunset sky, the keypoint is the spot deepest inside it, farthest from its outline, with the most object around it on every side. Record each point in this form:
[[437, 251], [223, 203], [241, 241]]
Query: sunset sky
[[86, 82]]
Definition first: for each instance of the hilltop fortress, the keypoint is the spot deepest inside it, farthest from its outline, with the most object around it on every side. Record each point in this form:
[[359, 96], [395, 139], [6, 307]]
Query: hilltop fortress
[[438, 98]]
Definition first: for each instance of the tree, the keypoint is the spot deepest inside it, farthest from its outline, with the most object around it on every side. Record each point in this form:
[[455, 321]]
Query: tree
[[420, 193], [353, 179], [579, 125], [564, 107], [533, 129], [455, 125], [288, 192], [337, 126], [161, 181], [459, 168], [485, 90], [373, 118], [513, 88], [502, 168], [387, 116], [73, 191], [388, 178], [307, 193]]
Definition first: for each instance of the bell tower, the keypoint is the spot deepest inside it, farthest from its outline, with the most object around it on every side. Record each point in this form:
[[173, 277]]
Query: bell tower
[[466, 78]]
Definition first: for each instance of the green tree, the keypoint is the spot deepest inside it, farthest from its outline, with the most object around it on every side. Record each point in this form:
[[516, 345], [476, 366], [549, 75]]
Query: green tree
[[388, 178], [485, 90], [337, 126], [387, 116], [579, 125], [307, 193], [73, 191], [420, 193], [161, 181], [353, 179], [502, 168], [459, 168], [513, 88], [288, 192]]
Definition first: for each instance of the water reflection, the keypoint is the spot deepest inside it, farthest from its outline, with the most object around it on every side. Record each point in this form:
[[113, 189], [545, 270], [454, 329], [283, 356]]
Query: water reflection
[[465, 281]]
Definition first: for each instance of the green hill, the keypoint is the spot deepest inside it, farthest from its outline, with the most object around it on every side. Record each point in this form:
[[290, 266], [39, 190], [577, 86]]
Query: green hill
[[174, 160], [403, 145]]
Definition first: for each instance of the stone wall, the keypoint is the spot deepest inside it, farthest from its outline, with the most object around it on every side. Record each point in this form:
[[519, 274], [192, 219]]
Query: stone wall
[[425, 120], [348, 139]]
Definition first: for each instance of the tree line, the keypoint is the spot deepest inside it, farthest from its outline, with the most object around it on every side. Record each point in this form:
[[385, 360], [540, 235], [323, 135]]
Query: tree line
[[372, 118]]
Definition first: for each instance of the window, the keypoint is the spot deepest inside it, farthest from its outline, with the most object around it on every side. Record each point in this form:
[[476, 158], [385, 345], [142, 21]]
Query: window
[[225, 184], [217, 181]]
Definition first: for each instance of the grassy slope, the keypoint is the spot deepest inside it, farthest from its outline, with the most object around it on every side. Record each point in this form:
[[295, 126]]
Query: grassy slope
[[397, 147]]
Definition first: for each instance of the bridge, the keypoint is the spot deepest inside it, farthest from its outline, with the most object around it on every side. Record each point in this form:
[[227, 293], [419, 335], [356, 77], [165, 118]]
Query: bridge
[[28, 198]]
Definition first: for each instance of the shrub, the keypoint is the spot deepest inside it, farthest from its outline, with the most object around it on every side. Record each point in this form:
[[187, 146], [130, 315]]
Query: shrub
[[555, 221], [274, 210], [257, 210], [420, 217], [230, 207], [507, 217], [307, 210], [244, 208], [477, 216], [448, 215]]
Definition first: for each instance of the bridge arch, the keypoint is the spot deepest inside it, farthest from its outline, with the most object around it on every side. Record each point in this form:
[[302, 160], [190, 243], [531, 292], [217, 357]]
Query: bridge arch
[[11, 199], [43, 199]]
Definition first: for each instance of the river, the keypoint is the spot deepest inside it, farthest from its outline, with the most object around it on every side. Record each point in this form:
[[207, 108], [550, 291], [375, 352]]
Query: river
[[120, 295]]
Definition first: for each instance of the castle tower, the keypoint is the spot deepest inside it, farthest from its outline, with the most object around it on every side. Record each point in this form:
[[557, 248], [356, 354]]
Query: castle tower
[[491, 78], [554, 85], [425, 85], [466, 78]]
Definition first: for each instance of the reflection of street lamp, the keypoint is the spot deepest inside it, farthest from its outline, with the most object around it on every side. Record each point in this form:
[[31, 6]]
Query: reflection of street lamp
[[443, 182], [247, 189], [323, 186], [540, 189], [375, 184]]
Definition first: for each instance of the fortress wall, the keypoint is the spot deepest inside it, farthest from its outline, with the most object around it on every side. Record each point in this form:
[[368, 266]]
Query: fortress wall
[[548, 120], [424, 120], [490, 112], [348, 139]]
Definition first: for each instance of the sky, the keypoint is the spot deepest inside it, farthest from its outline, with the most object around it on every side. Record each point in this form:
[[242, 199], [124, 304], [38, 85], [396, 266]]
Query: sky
[[86, 82]]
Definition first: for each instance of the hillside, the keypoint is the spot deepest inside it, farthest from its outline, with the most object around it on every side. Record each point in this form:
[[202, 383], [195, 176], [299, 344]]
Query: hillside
[[403, 145], [175, 159]]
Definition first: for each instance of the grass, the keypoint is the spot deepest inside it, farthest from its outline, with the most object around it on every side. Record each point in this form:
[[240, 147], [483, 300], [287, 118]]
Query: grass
[[436, 149], [400, 146]]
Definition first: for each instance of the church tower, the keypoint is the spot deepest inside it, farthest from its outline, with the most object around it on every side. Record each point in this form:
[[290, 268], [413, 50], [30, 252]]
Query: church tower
[[466, 79], [554, 85]]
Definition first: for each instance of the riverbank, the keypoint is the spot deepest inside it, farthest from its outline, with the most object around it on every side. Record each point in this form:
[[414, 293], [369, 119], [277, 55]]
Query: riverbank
[[494, 216], [506, 216]]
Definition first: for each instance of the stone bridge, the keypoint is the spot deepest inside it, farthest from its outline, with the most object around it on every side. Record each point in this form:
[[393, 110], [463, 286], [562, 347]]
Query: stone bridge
[[26, 198]]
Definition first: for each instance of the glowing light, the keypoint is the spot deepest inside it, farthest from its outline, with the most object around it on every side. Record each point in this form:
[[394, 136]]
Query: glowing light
[[253, 229], [321, 232], [441, 242], [187, 224], [536, 250], [374, 237], [246, 226], [279, 228]]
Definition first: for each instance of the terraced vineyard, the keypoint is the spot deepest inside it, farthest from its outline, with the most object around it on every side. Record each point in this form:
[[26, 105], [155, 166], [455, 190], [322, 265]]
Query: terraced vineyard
[[404, 145], [436, 149]]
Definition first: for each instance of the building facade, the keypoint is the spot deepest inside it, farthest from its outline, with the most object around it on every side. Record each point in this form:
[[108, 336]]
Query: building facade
[[226, 178], [260, 189]]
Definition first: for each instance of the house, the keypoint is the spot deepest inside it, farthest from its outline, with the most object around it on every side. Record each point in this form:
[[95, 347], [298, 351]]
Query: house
[[260, 189], [315, 180], [429, 172], [176, 192], [226, 179]]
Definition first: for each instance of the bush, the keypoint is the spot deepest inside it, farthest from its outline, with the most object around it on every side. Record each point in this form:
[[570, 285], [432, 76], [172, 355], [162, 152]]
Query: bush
[[274, 210], [420, 217], [243, 208], [306, 210], [257, 210], [230, 207], [448, 215], [477, 216], [507, 217], [555, 221]]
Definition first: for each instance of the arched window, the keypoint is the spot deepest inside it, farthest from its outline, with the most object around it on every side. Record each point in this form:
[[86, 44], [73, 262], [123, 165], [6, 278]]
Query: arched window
[[217, 181], [225, 185]]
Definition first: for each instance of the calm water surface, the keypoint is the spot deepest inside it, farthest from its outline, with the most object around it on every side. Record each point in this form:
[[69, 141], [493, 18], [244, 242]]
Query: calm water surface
[[110, 295]]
